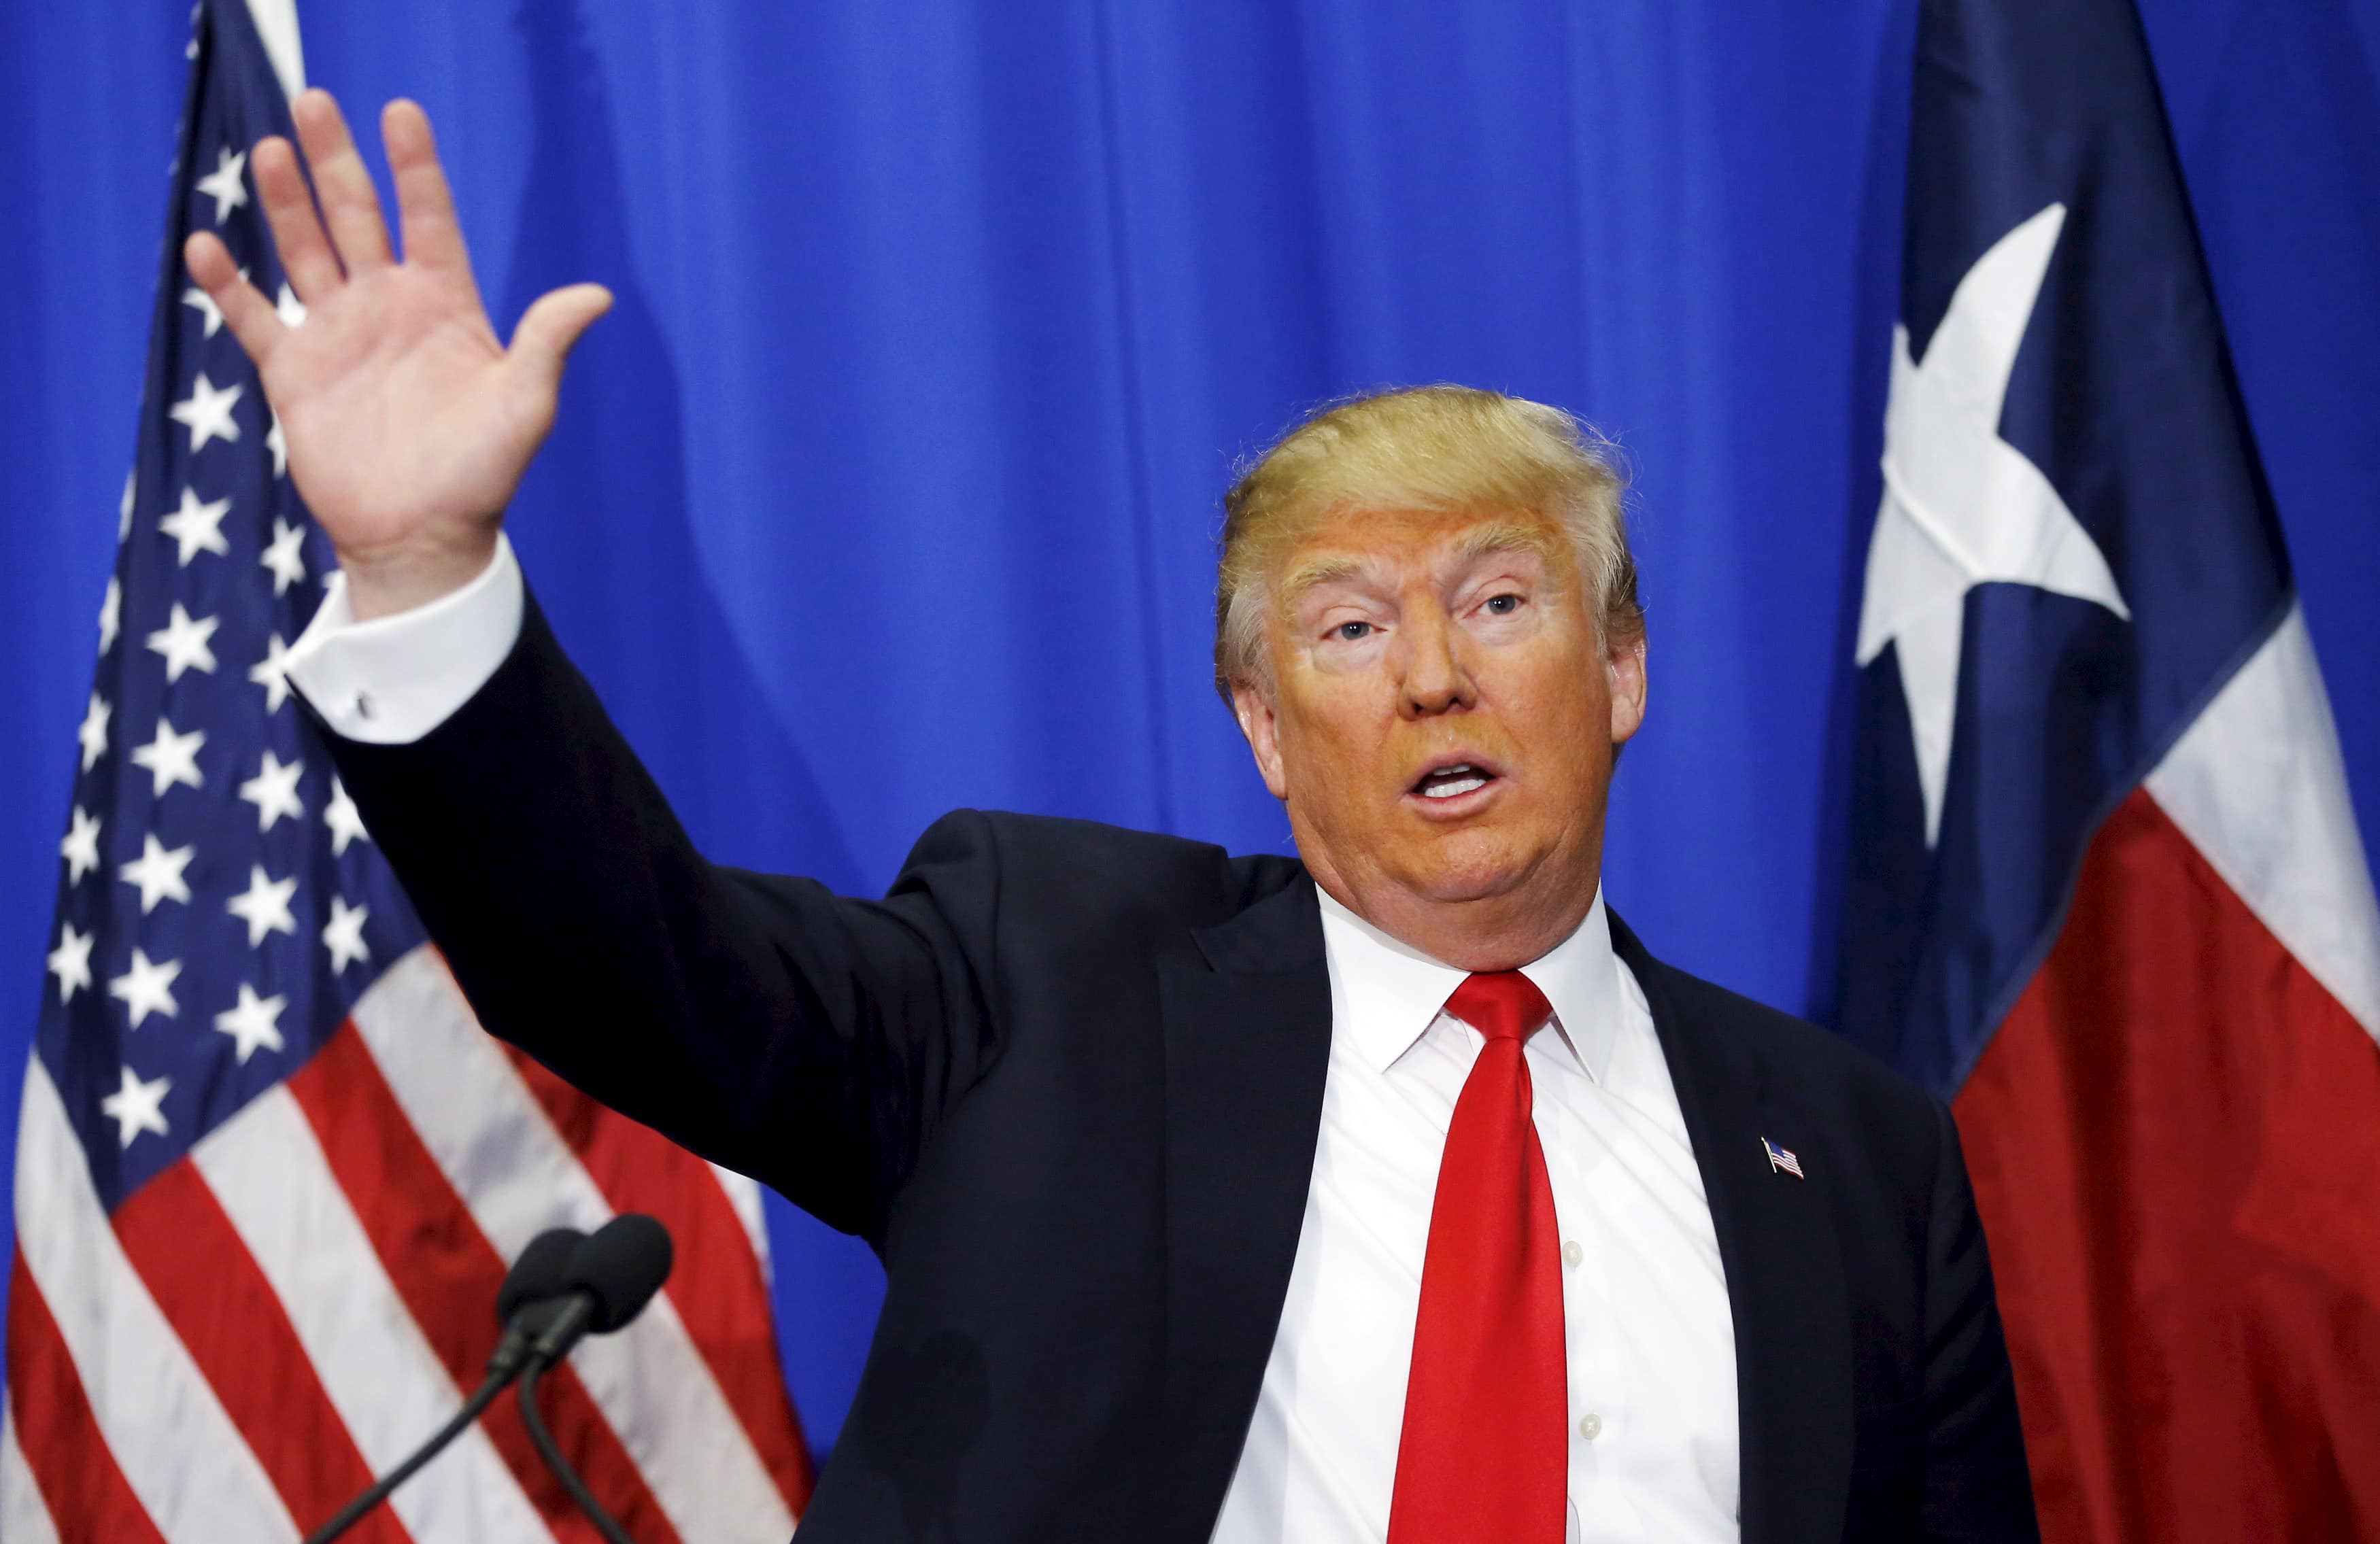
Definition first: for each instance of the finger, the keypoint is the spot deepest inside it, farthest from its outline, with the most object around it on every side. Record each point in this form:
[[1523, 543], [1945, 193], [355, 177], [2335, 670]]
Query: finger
[[542, 342], [297, 233], [245, 310], [433, 237], [350, 203]]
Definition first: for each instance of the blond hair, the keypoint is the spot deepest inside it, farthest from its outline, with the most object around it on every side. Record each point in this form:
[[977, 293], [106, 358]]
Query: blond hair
[[1427, 450]]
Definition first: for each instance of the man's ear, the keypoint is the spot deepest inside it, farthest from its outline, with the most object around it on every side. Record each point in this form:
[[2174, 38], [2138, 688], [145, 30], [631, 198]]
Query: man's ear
[[1625, 665], [1255, 712]]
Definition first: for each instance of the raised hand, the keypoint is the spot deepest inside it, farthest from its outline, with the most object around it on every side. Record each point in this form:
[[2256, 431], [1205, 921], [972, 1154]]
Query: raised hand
[[409, 423]]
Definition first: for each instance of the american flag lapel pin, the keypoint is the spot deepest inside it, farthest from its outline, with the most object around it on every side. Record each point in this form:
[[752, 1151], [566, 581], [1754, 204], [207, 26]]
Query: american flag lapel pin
[[1781, 1160]]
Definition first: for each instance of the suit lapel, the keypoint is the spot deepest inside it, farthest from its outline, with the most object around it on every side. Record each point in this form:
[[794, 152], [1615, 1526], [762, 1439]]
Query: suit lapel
[[1785, 1285], [1247, 1040]]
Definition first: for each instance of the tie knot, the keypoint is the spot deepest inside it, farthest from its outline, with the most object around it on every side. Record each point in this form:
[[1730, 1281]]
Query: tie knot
[[1500, 1005]]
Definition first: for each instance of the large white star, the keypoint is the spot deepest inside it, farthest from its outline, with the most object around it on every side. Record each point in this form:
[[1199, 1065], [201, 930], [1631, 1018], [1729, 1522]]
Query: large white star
[[291, 309], [70, 961], [185, 642], [196, 527], [93, 735], [207, 412], [147, 989], [285, 554], [171, 757], [273, 791], [347, 822], [1963, 507], [111, 615], [223, 184], [264, 907], [272, 672], [255, 1022], [80, 848], [343, 935], [158, 872], [137, 1107]]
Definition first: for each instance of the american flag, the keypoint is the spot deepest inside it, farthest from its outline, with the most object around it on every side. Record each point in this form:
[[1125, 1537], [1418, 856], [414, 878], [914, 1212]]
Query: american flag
[[270, 1169], [1781, 1159]]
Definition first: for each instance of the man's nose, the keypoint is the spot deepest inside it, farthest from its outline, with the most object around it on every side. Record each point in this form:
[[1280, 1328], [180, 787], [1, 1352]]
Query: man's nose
[[1433, 678]]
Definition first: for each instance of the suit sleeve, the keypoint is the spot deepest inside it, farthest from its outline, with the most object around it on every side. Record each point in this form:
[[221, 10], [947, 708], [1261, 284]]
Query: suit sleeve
[[1976, 1484], [805, 1040]]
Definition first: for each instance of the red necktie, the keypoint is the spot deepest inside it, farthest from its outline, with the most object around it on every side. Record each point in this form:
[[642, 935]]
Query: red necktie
[[1484, 1449]]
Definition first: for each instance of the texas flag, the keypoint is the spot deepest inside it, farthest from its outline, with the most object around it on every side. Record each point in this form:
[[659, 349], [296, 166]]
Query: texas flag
[[2107, 892]]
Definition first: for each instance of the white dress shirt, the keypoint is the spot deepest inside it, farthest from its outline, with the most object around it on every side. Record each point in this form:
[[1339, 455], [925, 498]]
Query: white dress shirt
[[1644, 1308], [1652, 1439]]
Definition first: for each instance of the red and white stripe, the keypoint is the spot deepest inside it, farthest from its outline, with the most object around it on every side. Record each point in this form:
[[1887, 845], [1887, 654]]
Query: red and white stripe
[[288, 1311], [2175, 1138]]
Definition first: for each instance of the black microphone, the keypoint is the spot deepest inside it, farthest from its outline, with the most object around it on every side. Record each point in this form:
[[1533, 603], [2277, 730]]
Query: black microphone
[[610, 1277], [607, 1280], [531, 1296], [526, 1304]]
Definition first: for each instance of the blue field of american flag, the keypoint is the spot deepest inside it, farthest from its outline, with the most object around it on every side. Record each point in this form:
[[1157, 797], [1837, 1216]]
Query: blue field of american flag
[[270, 1169]]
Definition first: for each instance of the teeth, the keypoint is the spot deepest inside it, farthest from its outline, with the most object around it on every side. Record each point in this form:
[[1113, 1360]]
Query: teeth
[[1449, 790]]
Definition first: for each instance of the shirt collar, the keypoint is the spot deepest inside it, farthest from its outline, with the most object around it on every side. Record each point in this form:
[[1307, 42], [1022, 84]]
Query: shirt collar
[[1385, 992]]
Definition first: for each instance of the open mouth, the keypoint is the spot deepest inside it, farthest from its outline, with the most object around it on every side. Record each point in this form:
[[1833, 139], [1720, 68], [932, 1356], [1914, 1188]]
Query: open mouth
[[1452, 782]]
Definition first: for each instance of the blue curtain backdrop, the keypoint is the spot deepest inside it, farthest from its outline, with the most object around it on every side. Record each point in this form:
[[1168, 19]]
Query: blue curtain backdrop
[[891, 484]]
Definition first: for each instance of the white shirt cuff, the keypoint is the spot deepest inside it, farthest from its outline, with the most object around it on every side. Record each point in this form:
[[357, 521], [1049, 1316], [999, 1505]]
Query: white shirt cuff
[[393, 679]]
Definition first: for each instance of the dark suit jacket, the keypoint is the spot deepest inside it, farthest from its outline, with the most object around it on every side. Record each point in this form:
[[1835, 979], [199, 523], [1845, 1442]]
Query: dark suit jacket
[[1066, 1079]]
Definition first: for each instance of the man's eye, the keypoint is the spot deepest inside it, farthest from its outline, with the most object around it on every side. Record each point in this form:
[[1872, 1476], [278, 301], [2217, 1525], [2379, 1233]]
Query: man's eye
[[1352, 632], [1503, 605]]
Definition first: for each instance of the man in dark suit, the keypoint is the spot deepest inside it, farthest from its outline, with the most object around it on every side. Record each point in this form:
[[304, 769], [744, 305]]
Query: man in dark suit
[[1392, 1192]]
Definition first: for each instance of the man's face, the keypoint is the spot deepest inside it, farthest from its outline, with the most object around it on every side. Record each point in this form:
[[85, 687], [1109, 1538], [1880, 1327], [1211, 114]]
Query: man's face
[[1442, 726]]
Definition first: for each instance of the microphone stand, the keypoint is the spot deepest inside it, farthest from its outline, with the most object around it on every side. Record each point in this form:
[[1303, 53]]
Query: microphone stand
[[525, 1307], [480, 1399], [547, 1449]]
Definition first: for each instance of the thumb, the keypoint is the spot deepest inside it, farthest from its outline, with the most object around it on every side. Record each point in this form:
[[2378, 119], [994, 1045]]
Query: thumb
[[552, 328]]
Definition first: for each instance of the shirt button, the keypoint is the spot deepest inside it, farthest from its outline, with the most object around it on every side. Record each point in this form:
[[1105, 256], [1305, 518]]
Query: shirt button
[[1590, 1425], [1572, 1253], [363, 705]]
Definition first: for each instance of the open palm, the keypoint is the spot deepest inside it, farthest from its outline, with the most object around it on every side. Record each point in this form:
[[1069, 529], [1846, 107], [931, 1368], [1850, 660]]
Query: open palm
[[408, 422]]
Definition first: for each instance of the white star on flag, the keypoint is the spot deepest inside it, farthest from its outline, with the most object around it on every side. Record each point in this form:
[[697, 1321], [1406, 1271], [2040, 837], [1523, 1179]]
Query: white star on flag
[[80, 848], [285, 554], [210, 314], [171, 757], [291, 309], [347, 822], [158, 872], [278, 443], [254, 1023], [272, 672], [264, 907], [111, 615], [124, 507], [207, 412], [146, 989], [343, 935], [70, 961], [273, 791], [185, 642], [93, 735], [1963, 507], [223, 184], [196, 527], [137, 1107]]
